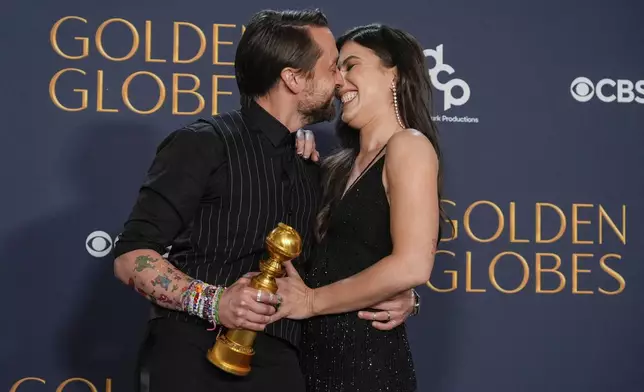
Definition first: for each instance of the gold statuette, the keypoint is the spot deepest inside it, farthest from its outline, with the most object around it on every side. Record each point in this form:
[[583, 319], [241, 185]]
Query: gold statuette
[[233, 351]]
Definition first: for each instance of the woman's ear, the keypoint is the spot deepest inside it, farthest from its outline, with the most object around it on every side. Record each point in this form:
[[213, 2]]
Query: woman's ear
[[394, 74]]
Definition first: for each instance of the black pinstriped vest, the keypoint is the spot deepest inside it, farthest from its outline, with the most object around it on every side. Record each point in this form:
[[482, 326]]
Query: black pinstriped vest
[[227, 237]]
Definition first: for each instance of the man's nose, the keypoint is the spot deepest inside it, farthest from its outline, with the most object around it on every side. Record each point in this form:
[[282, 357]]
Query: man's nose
[[339, 80]]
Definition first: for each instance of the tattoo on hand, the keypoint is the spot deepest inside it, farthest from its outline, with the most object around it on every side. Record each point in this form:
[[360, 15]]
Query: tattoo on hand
[[164, 298], [141, 291], [162, 281], [172, 280], [152, 297], [143, 262]]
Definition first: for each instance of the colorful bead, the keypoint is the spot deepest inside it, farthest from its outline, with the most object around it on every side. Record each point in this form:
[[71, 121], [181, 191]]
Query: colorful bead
[[202, 300]]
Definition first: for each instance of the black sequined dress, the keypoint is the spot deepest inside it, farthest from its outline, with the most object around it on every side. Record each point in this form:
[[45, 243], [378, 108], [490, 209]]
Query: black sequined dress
[[341, 352]]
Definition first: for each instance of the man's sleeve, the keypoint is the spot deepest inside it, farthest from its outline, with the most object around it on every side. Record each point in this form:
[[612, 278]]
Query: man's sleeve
[[175, 184]]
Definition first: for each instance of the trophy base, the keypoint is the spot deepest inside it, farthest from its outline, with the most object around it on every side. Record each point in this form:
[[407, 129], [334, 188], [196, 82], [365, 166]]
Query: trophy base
[[231, 357]]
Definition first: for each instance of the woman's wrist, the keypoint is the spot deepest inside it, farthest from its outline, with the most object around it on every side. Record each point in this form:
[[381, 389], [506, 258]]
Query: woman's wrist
[[311, 304]]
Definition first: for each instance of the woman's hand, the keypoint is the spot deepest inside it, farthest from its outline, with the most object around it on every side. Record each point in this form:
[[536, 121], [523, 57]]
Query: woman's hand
[[305, 145], [296, 297]]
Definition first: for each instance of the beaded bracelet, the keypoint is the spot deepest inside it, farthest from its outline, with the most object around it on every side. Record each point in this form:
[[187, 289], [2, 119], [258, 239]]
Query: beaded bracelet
[[202, 300], [214, 308]]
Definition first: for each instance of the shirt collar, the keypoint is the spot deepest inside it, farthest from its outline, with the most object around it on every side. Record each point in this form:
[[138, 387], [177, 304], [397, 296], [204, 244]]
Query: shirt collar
[[260, 119]]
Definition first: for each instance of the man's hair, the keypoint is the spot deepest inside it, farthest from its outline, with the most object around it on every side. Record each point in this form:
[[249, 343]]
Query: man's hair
[[274, 40]]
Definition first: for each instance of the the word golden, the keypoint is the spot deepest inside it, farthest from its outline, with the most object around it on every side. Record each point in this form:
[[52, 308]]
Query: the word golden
[[186, 92], [568, 272]]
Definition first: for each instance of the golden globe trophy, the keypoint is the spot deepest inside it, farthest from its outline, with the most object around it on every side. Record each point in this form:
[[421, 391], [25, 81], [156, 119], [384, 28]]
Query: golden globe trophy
[[233, 351]]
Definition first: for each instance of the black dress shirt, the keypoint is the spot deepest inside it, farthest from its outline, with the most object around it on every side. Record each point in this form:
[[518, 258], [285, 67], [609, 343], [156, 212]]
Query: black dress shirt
[[214, 191]]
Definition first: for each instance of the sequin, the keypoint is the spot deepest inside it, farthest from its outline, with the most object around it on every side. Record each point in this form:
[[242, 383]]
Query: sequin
[[342, 353]]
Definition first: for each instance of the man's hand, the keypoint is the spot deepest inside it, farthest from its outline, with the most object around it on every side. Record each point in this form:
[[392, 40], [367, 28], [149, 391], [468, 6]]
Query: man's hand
[[306, 145], [242, 306], [390, 313]]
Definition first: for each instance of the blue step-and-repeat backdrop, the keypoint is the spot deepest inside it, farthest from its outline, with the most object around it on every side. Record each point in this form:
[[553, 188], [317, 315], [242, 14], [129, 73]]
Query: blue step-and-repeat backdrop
[[540, 105]]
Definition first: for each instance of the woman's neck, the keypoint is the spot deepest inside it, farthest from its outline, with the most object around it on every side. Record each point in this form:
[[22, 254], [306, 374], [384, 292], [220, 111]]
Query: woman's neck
[[377, 132]]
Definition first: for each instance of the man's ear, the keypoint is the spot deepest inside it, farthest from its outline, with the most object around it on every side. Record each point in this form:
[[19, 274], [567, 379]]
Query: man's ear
[[293, 79]]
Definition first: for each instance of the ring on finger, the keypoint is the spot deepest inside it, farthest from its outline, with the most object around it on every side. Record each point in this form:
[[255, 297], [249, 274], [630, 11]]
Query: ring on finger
[[373, 315], [388, 316], [259, 296]]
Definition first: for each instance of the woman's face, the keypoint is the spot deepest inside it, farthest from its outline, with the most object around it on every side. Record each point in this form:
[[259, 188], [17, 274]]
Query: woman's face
[[367, 85]]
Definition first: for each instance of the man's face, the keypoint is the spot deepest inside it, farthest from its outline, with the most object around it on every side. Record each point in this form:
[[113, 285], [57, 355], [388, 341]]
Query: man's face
[[317, 103]]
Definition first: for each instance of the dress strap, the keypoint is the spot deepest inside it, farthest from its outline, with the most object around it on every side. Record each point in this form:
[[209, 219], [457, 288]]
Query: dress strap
[[364, 171]]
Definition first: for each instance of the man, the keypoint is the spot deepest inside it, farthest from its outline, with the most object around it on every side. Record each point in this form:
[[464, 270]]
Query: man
[[216, 188]]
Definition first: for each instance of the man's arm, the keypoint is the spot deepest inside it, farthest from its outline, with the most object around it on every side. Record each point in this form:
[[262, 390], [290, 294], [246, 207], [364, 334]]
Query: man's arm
[[160, 282], [391, 313], [152, 276], [167, 201]]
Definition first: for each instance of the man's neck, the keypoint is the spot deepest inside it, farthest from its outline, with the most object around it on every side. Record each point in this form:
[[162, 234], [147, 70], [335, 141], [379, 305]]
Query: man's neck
[[284, 110]]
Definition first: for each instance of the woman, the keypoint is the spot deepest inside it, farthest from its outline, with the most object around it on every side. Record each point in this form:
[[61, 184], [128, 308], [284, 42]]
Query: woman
[[379, 225]]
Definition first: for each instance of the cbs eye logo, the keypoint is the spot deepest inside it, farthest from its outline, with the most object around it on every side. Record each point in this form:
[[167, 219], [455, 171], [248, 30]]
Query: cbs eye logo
[[607, 90], [99, 244], [582, 89]]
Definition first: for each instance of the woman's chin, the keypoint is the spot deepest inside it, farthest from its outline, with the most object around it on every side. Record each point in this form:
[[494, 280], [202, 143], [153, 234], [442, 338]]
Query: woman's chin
[[348, 117], [353, 121]]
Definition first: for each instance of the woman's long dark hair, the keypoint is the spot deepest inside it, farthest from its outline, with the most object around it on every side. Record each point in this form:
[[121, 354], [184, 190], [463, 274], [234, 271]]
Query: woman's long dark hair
[[394, 48]]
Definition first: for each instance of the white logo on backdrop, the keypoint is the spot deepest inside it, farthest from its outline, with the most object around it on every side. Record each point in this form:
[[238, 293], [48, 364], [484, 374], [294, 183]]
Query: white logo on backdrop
[[450, 88], [607, 90], [99, 243]]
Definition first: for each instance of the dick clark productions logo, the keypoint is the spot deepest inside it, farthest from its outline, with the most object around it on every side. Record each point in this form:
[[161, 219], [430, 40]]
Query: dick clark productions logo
[[449, 98]]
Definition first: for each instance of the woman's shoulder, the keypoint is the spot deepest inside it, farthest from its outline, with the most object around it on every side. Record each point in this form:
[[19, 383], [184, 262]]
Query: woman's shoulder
[[411, 144]]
